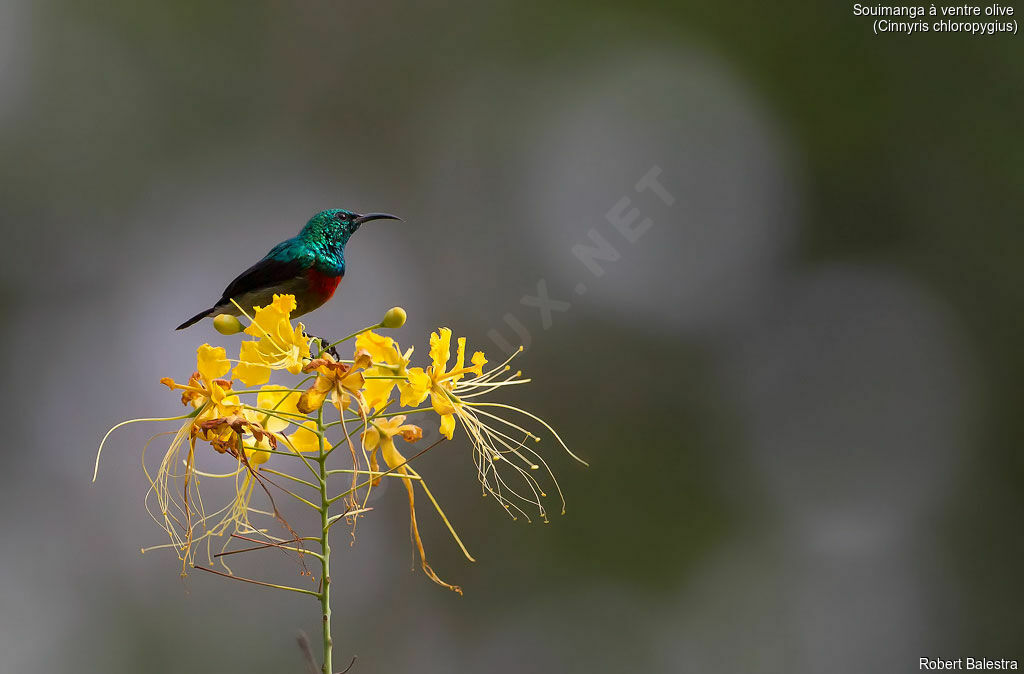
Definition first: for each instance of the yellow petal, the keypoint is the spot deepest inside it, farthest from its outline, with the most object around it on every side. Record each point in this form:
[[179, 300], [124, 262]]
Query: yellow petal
[[353, 381], [251, 369], [218, 389], [212, 361], [440, 349], [259, 455], [305, 439], [223, 399], [416, 387], [265, 322], [294, 362], [300, 332], [392, 457], [382, 349], [298, 339], [278, 398], [460, 357], [441, 403], [362, 359], [448, 425], [478, 363], [389, 427], [316, 394], [371, 438], [284, 303], [341, 399], [377, 391], [284, 348], [251, 415], [272, 320], [280, 401]]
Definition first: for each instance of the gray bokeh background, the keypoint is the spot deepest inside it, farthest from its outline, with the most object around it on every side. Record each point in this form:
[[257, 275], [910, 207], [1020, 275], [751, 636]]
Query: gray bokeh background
[[798, 388]]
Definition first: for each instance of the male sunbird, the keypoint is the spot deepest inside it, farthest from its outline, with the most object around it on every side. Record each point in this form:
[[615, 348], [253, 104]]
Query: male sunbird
[[308, 266]]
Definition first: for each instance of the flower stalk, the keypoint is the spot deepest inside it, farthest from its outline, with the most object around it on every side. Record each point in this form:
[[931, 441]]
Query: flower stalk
[[325, 547]]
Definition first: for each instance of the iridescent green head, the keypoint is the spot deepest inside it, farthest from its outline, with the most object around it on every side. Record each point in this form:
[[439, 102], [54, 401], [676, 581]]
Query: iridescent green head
[[335, 225]]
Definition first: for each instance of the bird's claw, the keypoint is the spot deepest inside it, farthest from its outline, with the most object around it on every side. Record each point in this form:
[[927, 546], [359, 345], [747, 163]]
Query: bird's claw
[[323, 342]]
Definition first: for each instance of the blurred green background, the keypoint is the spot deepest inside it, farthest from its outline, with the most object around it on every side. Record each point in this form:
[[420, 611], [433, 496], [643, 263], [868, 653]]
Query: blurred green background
[[798, 389]]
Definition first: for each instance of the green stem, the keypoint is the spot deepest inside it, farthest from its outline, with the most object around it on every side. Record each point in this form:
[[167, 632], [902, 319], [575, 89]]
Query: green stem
[[290, 477], [325, 548], [354, 334]]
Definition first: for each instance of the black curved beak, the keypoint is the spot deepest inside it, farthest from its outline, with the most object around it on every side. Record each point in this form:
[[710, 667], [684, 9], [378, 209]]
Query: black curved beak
[[374, 216]]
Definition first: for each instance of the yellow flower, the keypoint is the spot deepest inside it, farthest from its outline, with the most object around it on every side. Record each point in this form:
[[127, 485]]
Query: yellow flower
[[212, 362], [381, 435], [339, 381], [456, 397], [439, 382], [252, 368], [279, 347], [231, 428], [391, 368], [209, 394], [222, 420], [205, 385]]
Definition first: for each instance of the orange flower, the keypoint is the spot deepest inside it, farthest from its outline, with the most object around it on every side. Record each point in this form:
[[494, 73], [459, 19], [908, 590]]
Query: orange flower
[[339, 381]]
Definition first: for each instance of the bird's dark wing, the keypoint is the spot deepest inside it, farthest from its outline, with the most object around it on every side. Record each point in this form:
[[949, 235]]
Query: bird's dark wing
[[285, 262]]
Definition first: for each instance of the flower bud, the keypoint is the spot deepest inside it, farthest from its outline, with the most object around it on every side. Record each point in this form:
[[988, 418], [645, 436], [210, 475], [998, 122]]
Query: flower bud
[[226, 324], [394, 318]]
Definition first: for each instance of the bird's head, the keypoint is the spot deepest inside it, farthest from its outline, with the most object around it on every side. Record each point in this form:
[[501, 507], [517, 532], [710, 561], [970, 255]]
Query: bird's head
[[336, 225]]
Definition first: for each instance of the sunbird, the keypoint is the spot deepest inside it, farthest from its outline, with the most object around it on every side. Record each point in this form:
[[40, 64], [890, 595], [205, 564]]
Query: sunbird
[[309, 266]]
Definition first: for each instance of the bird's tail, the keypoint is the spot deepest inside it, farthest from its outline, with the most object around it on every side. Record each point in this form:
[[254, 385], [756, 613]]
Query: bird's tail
[[195, 319]]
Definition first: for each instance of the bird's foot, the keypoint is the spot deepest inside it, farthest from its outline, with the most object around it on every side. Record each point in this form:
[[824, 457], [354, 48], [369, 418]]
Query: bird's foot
[[323, 343]]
